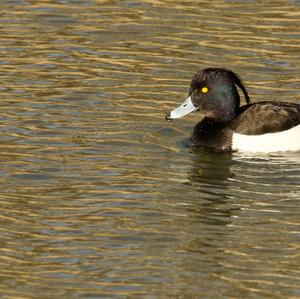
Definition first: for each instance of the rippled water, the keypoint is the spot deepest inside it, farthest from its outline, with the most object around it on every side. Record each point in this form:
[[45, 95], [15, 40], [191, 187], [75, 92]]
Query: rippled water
[[100, 197]]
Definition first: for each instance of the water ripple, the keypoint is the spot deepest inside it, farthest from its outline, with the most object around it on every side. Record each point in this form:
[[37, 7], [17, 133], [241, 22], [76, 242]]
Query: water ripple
[[100, 196]]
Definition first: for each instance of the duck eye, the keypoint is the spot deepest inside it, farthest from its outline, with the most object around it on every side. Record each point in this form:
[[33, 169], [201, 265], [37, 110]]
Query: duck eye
[[204, 89]]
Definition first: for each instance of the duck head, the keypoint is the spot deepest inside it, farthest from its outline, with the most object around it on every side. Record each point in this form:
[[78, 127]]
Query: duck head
[[213, 92]]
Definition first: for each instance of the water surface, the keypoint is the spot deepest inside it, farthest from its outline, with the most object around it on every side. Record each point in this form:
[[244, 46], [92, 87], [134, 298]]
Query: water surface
[[100, 196]]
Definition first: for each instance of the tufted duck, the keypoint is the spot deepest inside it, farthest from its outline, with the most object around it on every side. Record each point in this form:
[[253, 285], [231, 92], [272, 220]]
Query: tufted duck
[[256, 127]]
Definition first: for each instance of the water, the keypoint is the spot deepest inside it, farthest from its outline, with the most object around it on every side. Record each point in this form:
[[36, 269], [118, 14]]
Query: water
[[100, 196]]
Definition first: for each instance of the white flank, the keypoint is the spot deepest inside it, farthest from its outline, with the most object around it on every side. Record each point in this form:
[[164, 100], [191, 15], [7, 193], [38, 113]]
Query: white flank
[[288, 140]]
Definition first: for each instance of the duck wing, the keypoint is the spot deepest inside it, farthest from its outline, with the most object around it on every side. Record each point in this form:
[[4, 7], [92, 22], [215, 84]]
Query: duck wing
[[266, 117]]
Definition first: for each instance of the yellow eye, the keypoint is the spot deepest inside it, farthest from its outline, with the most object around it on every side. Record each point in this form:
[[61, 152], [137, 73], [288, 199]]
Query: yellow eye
[[204, 89]]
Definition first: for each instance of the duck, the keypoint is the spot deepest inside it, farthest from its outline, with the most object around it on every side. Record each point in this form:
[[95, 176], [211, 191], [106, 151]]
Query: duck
[[226, 126]]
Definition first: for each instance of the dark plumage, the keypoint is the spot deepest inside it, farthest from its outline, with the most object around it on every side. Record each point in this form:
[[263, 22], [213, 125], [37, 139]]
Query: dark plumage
[[214, 92], [271, 117]]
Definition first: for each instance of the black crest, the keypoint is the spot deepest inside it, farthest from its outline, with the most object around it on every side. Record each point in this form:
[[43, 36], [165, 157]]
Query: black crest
[[214, 74]]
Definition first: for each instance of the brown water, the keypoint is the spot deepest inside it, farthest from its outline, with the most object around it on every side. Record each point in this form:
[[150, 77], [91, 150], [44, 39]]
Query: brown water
[[100, 198]]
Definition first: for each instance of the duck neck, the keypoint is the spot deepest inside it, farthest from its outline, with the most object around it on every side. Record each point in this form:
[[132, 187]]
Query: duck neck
[[208, 127], [212, 134]]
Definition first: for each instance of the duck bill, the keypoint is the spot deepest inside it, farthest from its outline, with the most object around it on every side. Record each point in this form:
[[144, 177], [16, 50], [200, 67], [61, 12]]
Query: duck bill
[[185, 108]]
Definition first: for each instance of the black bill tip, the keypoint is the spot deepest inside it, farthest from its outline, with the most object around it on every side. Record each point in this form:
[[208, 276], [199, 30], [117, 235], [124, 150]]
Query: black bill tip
[[168, 117]]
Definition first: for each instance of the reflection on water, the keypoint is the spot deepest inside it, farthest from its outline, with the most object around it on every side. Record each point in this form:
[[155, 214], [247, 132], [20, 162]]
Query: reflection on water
[[100, 197]]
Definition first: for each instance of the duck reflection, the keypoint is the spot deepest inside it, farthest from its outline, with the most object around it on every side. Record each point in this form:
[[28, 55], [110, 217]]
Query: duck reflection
[[211, 176]]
